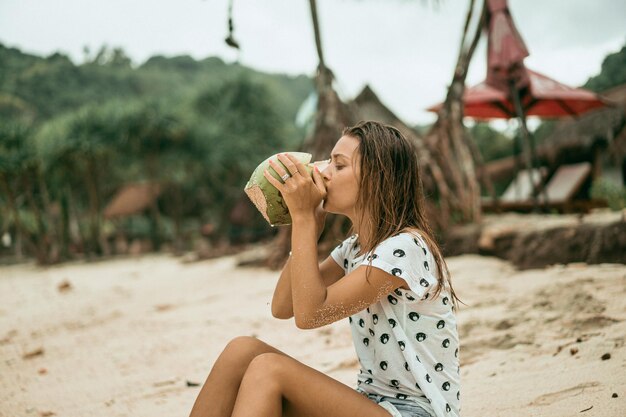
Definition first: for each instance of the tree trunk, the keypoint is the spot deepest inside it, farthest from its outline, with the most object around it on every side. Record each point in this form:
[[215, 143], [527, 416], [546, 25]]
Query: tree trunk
[[20, 234], [331, 117], [316, 33], [51, 219], [94, 206], [75, 213], [177, 213], [42, 238], [448, 139], [64, 233], [156, 237]]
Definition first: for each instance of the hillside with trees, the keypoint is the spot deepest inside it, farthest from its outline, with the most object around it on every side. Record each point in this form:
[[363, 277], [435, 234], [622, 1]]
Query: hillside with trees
[[73, 135]]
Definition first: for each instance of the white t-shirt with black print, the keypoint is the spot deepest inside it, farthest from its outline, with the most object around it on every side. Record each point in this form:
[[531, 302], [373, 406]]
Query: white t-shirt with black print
[[407, 342]]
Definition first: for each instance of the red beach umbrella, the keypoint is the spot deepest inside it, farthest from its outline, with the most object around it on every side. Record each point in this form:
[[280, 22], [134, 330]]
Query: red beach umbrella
[[506, 49], [513, 91], [545, 98], [508, 79]]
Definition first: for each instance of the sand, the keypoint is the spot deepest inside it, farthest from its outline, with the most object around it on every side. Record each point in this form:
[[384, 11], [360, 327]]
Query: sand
[[124, 337]]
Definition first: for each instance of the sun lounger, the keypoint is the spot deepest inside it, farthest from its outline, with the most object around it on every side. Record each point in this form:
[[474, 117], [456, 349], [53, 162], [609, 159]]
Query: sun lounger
[[558, 193], [520, 189], [519, 192], [565, 183]]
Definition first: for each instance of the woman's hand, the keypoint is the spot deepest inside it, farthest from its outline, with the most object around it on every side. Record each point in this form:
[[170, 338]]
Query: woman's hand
[[302, 193]]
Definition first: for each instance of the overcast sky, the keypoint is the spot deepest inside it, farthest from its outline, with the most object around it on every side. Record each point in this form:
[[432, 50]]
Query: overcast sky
[[404, 49]]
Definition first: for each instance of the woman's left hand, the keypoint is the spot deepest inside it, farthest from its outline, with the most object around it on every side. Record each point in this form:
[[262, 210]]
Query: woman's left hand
[[302, 192]]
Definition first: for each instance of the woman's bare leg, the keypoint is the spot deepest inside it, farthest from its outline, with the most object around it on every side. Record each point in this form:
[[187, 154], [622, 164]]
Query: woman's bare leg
[[280, 386], [217, 396]]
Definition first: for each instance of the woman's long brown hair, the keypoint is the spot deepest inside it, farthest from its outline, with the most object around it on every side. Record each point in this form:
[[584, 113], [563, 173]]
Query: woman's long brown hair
[[391, 192]]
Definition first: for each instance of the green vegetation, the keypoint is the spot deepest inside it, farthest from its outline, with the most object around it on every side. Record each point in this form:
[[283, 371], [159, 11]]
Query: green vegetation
[[612, 193], [613, 72], [71, 136], [491, 143]]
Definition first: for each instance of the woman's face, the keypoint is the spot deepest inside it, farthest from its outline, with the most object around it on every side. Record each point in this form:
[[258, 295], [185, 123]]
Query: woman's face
[[342, 177]]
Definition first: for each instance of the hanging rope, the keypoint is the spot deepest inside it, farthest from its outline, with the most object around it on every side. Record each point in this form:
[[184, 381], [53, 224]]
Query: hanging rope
[[230, 40]]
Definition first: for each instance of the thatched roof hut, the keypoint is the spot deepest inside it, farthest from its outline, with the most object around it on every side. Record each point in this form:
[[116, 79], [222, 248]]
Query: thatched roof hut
[[132, 199], [369, 107], [596, 129]]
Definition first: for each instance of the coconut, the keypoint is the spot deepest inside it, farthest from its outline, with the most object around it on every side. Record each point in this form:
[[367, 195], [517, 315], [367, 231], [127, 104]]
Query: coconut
[[266, 197]]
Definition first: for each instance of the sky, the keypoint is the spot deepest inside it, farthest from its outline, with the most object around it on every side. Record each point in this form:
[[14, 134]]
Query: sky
[[404, 49]]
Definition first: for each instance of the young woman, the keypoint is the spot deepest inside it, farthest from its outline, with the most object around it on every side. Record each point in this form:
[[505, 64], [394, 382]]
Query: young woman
[[389, 279]]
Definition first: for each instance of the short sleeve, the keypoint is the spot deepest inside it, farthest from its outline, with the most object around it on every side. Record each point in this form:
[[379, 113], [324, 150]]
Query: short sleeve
[[407, 257], [341, 251]]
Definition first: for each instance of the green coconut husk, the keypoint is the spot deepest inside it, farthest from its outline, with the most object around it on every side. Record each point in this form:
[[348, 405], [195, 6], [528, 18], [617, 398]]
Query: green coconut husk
[[266, 197]]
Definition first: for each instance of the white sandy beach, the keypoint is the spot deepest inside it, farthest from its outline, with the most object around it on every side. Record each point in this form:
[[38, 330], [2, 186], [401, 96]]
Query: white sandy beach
[[128, 334]]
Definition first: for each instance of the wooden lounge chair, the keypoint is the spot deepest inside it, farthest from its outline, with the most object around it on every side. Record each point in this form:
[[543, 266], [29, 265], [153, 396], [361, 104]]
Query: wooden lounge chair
[[520, 190], [558, 193], [518, 195], [564, 185]]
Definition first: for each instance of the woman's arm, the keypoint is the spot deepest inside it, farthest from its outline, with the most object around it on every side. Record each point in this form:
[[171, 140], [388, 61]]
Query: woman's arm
[[282, 302], [304, 195], [282, 307], [349, 295]]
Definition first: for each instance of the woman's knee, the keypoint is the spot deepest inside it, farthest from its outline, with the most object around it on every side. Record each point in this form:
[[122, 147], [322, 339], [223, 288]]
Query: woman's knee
[[267, 363], [246, 348], [243, 345], [266, 368]]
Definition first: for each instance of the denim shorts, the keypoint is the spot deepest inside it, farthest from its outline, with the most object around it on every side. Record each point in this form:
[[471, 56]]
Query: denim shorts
[[403, 408]]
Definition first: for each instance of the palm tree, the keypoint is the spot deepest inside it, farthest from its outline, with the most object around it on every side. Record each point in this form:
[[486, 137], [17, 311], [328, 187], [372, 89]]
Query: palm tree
[[331, 117], [447, 152], [14, 160], [454, 152]]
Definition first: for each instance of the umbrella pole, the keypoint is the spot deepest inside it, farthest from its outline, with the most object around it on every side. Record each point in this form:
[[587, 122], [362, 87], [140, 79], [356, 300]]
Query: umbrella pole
[[533, 153], [517, 152], [526, 141]]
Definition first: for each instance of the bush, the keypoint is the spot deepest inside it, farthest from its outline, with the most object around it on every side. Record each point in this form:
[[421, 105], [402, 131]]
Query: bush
[[613, 193]]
